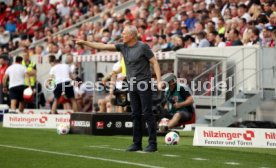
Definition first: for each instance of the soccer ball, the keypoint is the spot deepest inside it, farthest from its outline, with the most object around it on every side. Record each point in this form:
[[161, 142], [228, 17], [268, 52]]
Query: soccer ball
[[172, 138], [63, 129], [164, 122]]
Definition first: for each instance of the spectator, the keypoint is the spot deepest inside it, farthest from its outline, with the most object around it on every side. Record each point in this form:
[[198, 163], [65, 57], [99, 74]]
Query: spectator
[[189, 42], [32, 25], [267, 40], [162, 41], [233, 11], [220, 40], [53, 19], [254, 11], [155, 44], [116, 31], [242, 26], [176, 28], [184, 30], [227, 14], [254, 36], [267, 9], [215, 15], [72, 65], [177, 43], [55, 50], [210, 27], [4, 37], [3, 67], [242, 12], [234, 38], [18, 7], [11, 25], [272, 20], [63, 9], [105, 103], [202, 7], [221, 26], [190, 22], [24, 16], [199, 27], [203, 42], [107, 20], [212, 38], [84, 95]]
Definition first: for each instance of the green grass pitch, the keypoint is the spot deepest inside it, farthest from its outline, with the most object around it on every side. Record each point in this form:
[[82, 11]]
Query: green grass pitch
[[44, 148]]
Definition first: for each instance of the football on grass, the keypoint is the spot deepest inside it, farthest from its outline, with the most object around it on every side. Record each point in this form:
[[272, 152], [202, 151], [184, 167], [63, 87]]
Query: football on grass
[[63, 129], [172, 138]]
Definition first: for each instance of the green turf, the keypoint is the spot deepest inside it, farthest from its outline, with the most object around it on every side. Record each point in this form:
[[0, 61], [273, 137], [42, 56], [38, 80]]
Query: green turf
[[107, 147]]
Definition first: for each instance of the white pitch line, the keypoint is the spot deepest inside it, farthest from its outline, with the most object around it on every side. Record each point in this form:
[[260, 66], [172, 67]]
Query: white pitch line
[[200, 159], [107, 147], [232, 163], [169, 155], [143, 152], [81, 156], [93, 146]]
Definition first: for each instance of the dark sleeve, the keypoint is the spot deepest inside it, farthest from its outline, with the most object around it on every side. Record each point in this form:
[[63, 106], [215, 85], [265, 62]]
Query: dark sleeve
[[147, 52], [119, 46], [184, 94]]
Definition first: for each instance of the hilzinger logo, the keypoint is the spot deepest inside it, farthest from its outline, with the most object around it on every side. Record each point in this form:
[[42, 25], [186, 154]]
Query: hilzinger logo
[[29, 120], [43, 119], [248, 135]]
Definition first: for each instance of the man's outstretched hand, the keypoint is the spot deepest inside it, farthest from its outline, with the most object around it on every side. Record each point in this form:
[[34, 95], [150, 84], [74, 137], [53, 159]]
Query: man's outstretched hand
[[79, 41]]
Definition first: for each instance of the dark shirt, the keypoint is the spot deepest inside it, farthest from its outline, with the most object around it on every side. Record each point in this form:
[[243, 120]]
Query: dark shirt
[[236, 43], [184, 95], [137, 60]]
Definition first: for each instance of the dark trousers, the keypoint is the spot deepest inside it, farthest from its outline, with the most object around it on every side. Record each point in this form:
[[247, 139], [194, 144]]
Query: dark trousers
[[141, 103]]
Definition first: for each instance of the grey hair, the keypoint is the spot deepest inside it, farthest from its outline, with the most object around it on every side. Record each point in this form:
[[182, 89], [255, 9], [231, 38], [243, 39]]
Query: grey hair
[[133, 30]]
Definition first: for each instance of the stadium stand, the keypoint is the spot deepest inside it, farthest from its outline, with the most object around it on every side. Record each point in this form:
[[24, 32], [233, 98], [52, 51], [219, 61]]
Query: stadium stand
[[163, 25], [159, 22]]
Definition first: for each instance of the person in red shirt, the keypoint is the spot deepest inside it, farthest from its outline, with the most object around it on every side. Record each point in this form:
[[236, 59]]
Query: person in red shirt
[[3, 67], [32, 25]]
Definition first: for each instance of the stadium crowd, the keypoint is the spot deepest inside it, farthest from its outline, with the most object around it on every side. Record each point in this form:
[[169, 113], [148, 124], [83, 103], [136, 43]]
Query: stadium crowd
[[26, 21], [165, 25]]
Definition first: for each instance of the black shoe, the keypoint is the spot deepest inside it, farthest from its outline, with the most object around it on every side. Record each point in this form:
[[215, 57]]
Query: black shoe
[[151, 148], [134, 148]]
